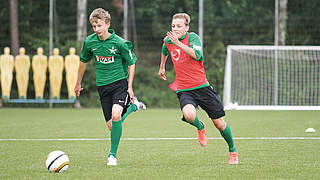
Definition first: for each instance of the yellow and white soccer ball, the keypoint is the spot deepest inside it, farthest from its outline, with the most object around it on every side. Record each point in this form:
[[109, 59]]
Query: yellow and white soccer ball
[[57, 161]]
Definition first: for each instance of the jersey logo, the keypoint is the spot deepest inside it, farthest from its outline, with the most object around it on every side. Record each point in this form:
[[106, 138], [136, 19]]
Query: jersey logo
[[175, 54], [94, 49], [105, 60], [113, 50]]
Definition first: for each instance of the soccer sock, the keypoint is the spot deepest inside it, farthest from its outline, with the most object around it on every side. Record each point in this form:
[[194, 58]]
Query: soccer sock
[[116, 133], [130, 109], [227, 135], [196, 123]]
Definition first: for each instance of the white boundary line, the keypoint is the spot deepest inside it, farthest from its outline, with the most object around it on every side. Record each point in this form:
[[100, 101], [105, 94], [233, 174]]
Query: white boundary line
[[159, 139]]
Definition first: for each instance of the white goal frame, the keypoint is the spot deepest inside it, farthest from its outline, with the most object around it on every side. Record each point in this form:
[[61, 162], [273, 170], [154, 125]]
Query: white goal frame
[[230, 103]]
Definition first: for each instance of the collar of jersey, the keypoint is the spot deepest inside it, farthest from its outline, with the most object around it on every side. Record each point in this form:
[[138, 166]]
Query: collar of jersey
[[111, 36], [169, 41]]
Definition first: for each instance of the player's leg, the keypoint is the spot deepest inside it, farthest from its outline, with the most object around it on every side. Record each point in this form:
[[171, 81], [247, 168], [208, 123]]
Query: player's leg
[[106, 104], [188, 107], [225, 132], [190, 115], [120, 102], [212, 104], [116, 133], [132, 108]]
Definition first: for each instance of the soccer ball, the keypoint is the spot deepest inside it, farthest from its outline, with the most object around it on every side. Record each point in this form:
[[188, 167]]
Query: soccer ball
[[57, 161]]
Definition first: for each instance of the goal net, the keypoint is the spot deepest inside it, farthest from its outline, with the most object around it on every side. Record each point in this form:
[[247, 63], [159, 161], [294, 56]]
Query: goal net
[[272, 78]]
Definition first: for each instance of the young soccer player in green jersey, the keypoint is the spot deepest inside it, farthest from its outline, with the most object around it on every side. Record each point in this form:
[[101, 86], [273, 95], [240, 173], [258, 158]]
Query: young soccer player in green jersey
[[115, 66], [191, 84]]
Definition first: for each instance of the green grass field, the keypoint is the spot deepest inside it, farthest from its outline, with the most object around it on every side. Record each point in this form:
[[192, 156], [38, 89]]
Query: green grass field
[[261, 154]]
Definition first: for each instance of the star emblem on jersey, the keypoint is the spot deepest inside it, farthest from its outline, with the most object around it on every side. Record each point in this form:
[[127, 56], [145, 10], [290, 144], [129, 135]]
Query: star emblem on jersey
[[175, 54], [113, 50]]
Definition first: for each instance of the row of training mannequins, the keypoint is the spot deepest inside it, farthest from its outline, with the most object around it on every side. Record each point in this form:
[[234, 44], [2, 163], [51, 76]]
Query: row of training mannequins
[[40, 64]]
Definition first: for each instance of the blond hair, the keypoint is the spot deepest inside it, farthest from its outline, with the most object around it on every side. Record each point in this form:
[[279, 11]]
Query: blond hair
[[101, 14], [183, 16]]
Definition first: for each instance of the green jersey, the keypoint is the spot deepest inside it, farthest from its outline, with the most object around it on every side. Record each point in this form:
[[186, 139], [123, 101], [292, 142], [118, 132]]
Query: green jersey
[[111, 56]]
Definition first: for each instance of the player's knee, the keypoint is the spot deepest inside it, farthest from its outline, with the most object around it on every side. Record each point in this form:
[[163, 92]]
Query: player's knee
[[189, 117], [219, 123], [189, 113], [116, 117]]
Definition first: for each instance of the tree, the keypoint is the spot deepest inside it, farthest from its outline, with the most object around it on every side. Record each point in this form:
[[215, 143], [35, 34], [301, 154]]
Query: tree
[[282, 21], [14, 30], [82, 21]]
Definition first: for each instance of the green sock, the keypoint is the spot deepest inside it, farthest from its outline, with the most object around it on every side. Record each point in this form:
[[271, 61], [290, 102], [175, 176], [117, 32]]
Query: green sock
[[227, 135], [116, 133], [196, 123], [130, 109]]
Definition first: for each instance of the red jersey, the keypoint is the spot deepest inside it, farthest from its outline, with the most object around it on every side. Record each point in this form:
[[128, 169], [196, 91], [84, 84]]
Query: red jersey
[[189, 72]]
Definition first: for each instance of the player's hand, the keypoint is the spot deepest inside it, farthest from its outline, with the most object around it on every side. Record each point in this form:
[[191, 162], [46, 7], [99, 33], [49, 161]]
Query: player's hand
[[161, 73], [78, 89], [173, 36], [131, 94]]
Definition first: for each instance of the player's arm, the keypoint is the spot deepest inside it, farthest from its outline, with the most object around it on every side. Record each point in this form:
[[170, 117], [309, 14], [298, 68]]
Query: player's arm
[[81, 70], [164, 56], [129, 56], [131, 70], [162, 69], [85, 57]]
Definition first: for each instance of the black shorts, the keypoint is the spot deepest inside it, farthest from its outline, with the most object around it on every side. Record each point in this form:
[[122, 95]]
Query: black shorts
[[206, 98], [114, 93]]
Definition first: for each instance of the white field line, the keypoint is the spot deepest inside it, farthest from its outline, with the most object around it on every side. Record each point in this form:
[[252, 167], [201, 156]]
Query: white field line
[[159, 139]]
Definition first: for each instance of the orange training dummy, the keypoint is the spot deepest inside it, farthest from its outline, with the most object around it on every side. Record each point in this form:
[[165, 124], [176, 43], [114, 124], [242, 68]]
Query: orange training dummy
[[39, 68], [22, 66], [6, 69], [55, 70]]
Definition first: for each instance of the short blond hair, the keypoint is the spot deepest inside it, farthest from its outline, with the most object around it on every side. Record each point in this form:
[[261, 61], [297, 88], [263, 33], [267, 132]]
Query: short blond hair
[[183, 16], [101, 14]]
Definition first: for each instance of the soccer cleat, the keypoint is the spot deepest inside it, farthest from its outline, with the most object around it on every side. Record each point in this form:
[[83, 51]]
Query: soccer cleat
[[140, 105], [112, 161], [233, 158], [202, 136]]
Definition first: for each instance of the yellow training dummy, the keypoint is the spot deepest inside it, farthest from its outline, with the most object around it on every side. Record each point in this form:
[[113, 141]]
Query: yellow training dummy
[[72, 62], [55, 70], [39, 68], [6, 69], [22, 66]]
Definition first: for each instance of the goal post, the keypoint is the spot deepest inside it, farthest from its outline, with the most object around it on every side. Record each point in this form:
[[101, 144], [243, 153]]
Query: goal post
[[272, 78]]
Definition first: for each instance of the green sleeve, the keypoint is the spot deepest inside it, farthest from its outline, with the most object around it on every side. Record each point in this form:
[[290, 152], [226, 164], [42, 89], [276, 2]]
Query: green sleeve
[[86, 54], [195, 44], [164, 50], [127, 53]]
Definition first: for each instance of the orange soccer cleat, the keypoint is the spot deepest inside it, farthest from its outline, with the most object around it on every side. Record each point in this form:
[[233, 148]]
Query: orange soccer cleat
[[233, 158], [202, 136]]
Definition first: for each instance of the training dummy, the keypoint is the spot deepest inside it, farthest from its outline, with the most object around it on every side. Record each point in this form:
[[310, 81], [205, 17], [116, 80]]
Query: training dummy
[[6, 69], [72, 62], [39, 68], [22, 67], [55, 70]]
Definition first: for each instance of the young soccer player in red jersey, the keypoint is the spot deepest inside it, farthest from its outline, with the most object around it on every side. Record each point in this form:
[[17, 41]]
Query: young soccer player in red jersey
[[191, 84]]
